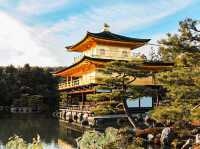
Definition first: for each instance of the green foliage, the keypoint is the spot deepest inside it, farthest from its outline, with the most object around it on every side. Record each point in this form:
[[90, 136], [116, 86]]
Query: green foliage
[[111, 139], [103, 109], [27, 86], [185, 41], [114, 96], [28, 100], [103, 87], [183, 81], [133, 92], [171, 113], [94, 139], [139, 141], [62, 98], [122, 74], [17, 142], [195, 114]]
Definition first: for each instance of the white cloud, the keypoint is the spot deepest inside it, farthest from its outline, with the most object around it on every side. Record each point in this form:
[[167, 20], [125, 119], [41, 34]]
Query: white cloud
[[21, 44], [18, 47], [34, 7], [121, 17]]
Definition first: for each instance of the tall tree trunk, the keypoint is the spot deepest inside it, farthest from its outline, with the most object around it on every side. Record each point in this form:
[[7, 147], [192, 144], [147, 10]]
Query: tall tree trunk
[[124, 101], [128, 113]]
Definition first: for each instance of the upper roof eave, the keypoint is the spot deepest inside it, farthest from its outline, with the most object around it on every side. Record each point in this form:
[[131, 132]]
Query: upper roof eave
[[106, 35], [71, 46], [111, 36]]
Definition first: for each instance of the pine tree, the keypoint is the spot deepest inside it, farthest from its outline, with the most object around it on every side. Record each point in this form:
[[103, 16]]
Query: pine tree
[[183, 81], [120, 75]]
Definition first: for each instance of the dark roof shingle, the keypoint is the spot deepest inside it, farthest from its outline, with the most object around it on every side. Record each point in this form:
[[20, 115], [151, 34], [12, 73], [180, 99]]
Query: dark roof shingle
[[111, 36]]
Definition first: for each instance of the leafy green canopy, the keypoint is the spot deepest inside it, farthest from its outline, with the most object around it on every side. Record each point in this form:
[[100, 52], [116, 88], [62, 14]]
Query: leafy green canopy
[[28, 86], [111, 139], [17, 142], [183, 81], [121, 74], [187, 41]]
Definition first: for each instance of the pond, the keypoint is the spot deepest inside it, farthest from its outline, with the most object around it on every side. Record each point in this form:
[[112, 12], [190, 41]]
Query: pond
[[54, 135]]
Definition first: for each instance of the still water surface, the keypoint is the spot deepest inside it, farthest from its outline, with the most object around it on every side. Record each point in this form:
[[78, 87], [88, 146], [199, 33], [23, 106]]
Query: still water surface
[[53, 134]]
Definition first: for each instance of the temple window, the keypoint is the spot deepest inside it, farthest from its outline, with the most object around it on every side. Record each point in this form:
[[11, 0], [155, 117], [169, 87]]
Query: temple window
[[141, 102], [124, 53], [102, 52]]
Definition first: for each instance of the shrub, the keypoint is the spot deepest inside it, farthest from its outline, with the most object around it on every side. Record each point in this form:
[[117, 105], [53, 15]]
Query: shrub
[[103, 110], [17, 142], [195, 114], [111, 139], [139, 141], [164, 113]]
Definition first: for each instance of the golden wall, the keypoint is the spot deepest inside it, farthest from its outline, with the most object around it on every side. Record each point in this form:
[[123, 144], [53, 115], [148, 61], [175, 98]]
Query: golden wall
[[111, 52]]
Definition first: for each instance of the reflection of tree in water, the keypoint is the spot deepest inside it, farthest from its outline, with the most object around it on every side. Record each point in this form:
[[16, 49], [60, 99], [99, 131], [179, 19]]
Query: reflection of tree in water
[[28, 127], [68, 135]]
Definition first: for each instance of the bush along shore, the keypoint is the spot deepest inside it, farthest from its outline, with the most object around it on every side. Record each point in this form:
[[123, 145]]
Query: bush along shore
[[17, 142], [170, 135]]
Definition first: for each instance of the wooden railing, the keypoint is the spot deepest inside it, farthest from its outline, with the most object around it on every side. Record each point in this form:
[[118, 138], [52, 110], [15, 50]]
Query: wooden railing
[[76, 107], [77, 82]]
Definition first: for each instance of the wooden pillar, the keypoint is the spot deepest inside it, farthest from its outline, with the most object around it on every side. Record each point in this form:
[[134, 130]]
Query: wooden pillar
[[67, 79], [139, 103], [82, 98]]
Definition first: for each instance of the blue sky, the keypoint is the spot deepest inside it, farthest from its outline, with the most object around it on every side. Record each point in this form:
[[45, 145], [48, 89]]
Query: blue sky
[[36, 31]]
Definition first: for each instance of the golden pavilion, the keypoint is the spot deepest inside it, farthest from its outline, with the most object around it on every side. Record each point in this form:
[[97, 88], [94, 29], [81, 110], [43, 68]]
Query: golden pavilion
[[97, 49]]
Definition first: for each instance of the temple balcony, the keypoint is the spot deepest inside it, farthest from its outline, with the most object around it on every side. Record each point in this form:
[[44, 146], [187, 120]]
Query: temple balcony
[[77, 108], [77, 82]]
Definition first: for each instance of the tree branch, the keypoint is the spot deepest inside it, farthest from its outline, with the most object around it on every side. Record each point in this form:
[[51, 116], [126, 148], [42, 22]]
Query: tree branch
[[129, 82]]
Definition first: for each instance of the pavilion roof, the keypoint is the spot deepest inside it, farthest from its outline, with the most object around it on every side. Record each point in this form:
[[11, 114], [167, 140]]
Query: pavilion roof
[[108, 37], [154, 66], [111, 36]]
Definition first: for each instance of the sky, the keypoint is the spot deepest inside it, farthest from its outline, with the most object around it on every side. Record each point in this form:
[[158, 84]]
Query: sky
[[36, 31]]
